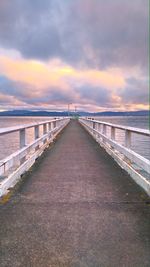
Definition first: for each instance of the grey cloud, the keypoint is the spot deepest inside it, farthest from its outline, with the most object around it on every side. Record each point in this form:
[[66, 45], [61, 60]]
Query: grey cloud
[[16, 89], [136, 92], [51, 96], [22, 92], [56, 96], [94, 95], [116, 32], [28, 26]]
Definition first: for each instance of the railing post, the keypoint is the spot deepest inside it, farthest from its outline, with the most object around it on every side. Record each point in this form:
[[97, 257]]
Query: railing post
[[54, 124], [44, 128], [127, 144], [36, 134], [104, 132], [128, 139], [104, 129], [99, 130], [91, 125], [44, 131], [112, 134], [96, 128], [49, 129], [61, 123], [52, 128], [22, 138], [93, 128], [49, 126], [22, 135]]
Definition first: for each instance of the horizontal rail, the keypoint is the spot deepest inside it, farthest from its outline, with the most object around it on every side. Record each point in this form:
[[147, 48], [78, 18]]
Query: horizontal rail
[[17, 163], [129, 157], [9, 162], [133, 156], [25, 126], [121, 127]]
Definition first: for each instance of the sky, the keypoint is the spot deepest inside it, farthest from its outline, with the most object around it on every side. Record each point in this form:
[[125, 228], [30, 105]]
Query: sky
[[92, 54]]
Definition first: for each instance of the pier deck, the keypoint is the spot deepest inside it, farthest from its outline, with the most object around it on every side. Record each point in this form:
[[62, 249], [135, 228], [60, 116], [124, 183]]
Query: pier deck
[[77, 208]]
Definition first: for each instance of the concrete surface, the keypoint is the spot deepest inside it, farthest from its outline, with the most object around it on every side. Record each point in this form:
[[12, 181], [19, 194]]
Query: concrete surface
[[77, 208]]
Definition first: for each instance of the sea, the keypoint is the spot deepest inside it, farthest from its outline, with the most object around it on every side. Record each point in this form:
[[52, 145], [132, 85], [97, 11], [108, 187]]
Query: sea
[[9, 143]]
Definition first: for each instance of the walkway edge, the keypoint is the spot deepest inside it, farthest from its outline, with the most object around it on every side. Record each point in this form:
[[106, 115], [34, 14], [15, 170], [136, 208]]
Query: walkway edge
[[137, 177], [9, 182]]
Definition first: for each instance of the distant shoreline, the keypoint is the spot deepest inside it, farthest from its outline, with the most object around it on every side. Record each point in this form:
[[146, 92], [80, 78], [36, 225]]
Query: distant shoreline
[[29, 113]]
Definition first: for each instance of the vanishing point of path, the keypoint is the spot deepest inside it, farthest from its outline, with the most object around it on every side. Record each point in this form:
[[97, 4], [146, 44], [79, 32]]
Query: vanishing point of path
[[77, 208]]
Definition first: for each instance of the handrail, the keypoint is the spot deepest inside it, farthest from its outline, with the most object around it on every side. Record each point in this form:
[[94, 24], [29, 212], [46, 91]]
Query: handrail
[[135, 164], [13, 166], [122, 127], [25, 126]]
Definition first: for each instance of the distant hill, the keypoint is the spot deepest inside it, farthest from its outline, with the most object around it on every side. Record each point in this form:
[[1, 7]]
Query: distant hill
[[33, 113], [115, 113], [65, 113], [125, 113]]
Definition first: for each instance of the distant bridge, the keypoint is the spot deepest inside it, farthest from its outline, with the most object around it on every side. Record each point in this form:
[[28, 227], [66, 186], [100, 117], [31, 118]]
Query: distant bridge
[[76, 206]]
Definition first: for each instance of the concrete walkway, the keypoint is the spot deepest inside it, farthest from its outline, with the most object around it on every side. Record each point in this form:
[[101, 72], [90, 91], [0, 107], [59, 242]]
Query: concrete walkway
[[76, 209]]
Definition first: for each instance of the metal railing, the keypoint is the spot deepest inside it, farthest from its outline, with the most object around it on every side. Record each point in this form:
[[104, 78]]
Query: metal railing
[[13, 166], [135, 164]]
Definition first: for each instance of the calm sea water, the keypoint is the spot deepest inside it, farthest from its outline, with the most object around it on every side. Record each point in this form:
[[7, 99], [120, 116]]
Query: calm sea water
[[10, 142], [140, 144]]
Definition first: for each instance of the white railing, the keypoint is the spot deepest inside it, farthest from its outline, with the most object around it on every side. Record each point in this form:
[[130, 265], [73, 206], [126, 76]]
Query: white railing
[[13, 166], [136, 165]]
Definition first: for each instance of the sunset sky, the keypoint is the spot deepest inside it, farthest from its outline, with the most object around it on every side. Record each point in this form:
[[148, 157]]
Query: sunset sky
[[91, 53]]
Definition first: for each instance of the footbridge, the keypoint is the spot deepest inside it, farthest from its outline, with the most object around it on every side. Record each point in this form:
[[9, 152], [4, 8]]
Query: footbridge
[[74, 197]]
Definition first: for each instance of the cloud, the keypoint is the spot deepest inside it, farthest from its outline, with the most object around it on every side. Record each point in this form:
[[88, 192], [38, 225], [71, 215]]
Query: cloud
[[23, 94], [92, 53], [17, 90], [94, 95], [91, 33], [39, 84], [29, 27], [135, 92], [57, 74], [35, 81]]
